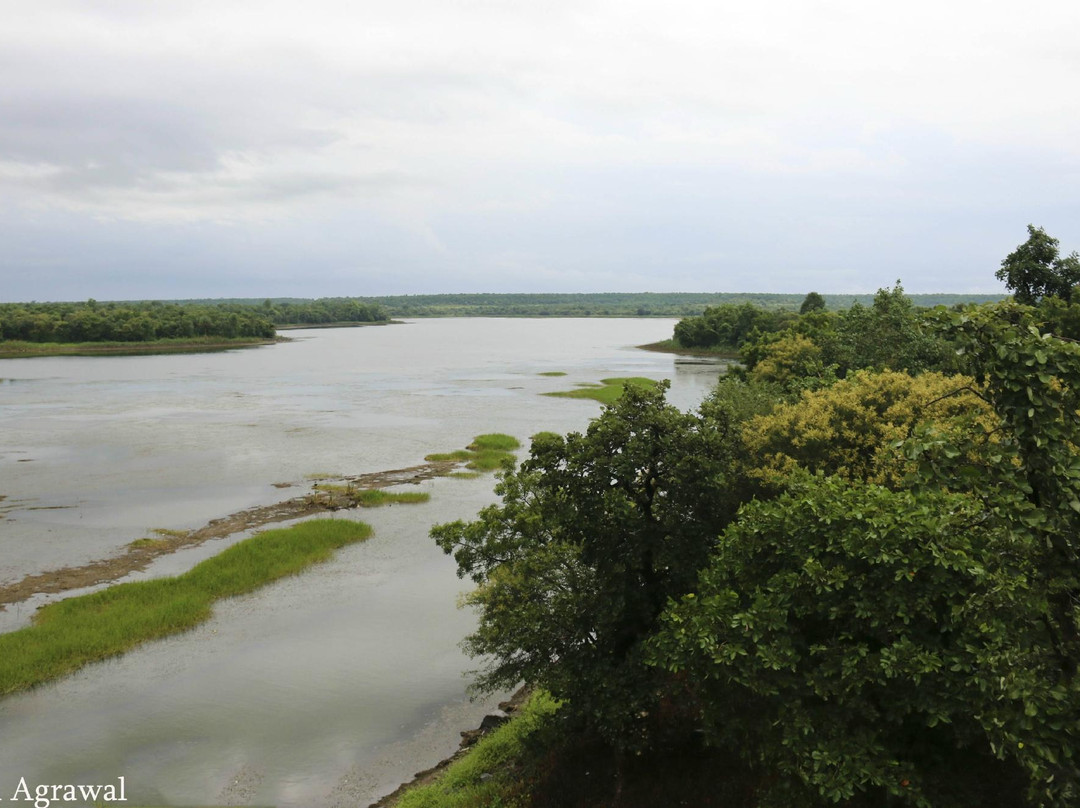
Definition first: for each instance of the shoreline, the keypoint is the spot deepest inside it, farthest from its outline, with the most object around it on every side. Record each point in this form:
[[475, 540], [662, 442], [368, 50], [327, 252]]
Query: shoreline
[[666, 346], [469, 738], [36, 349]]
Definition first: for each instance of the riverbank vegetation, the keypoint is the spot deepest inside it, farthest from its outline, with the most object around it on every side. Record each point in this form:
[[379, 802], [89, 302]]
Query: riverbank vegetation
[[93, 322], [851, 577], [74, 632], [91, 327]]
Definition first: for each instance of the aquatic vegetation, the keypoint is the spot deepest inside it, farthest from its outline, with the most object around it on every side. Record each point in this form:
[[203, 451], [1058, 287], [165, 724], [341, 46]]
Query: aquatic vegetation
[[336, 496], [74, 632], [607, 392], [485, 453]]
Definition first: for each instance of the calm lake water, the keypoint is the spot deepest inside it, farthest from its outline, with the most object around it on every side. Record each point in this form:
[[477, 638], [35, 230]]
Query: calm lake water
[[326, 689]]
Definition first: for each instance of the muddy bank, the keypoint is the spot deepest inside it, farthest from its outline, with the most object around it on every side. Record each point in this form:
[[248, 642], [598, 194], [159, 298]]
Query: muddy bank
[[140, 553], [468, 740]]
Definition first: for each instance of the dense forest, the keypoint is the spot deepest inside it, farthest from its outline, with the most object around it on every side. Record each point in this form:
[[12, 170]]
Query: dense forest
[[851, 577], [324, 311], [92, 322], [128, 322]]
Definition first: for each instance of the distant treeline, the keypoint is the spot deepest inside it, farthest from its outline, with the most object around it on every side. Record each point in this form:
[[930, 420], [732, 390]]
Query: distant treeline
[[129, 322], [608, 304], [323, 310], [725, 318]]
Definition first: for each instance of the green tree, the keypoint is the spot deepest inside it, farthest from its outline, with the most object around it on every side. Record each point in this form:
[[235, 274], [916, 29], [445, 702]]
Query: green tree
[[812, 302], [1034, 270], [595, 533], [863, 647]]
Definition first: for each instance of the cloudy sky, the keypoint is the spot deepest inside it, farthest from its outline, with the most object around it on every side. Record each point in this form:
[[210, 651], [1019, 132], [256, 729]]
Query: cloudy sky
[[254, 148]]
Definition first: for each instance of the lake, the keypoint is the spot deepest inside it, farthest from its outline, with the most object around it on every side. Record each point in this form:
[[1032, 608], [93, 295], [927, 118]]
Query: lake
[[325, 689]]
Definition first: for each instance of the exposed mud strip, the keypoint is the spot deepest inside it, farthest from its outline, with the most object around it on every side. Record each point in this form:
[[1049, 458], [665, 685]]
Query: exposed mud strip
[[139, 554]]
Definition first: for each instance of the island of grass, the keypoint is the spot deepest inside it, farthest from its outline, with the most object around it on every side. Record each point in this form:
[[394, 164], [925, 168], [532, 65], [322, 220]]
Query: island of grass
[[485, 453], [607, 391], [71, 633]]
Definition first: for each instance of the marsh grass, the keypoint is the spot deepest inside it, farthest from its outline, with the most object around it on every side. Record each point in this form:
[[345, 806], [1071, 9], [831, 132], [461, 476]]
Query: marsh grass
[[486, 452], [553, 373], [489, 774], [336, 495], [375, 497], [607, 392], [74, 632], [459, 454]]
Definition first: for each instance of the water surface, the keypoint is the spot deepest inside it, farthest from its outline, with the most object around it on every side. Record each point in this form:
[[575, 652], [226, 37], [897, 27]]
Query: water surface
[[325, 689]]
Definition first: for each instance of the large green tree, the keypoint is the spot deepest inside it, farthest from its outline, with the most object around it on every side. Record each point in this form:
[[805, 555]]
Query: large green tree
[[595, 533], [1034, 270]]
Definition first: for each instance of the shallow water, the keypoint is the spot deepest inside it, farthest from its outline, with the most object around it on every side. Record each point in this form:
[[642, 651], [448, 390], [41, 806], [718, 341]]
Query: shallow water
[[329, 688]]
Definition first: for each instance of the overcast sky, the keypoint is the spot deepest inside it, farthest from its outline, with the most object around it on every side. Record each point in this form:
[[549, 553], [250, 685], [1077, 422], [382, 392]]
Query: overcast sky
[[256, 148]]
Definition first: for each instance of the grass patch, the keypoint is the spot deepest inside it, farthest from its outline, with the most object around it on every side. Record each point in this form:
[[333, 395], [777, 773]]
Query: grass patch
[[494, 442], [465, 475], [553, 373], [10, 349], [439, 457], [71, 633], [607, 392], [374, 497], [336, 495], [486, 452], [488, 774]]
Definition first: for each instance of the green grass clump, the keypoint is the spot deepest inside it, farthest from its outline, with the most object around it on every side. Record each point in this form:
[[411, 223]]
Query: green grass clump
[[487, 775], [71, 633], [553, 373], [140, 544], [486, 452], [607, 392], [460, 454], [495, 441], [374, 497]]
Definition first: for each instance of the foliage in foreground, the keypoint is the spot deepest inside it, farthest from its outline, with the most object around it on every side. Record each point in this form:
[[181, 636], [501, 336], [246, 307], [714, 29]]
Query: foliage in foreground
[[594, 534], [866, 641], [852, 643], [73, 632]]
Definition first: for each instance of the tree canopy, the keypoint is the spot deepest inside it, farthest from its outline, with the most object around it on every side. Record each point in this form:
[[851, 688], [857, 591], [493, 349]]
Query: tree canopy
[[1035, 270], [868, 591]]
